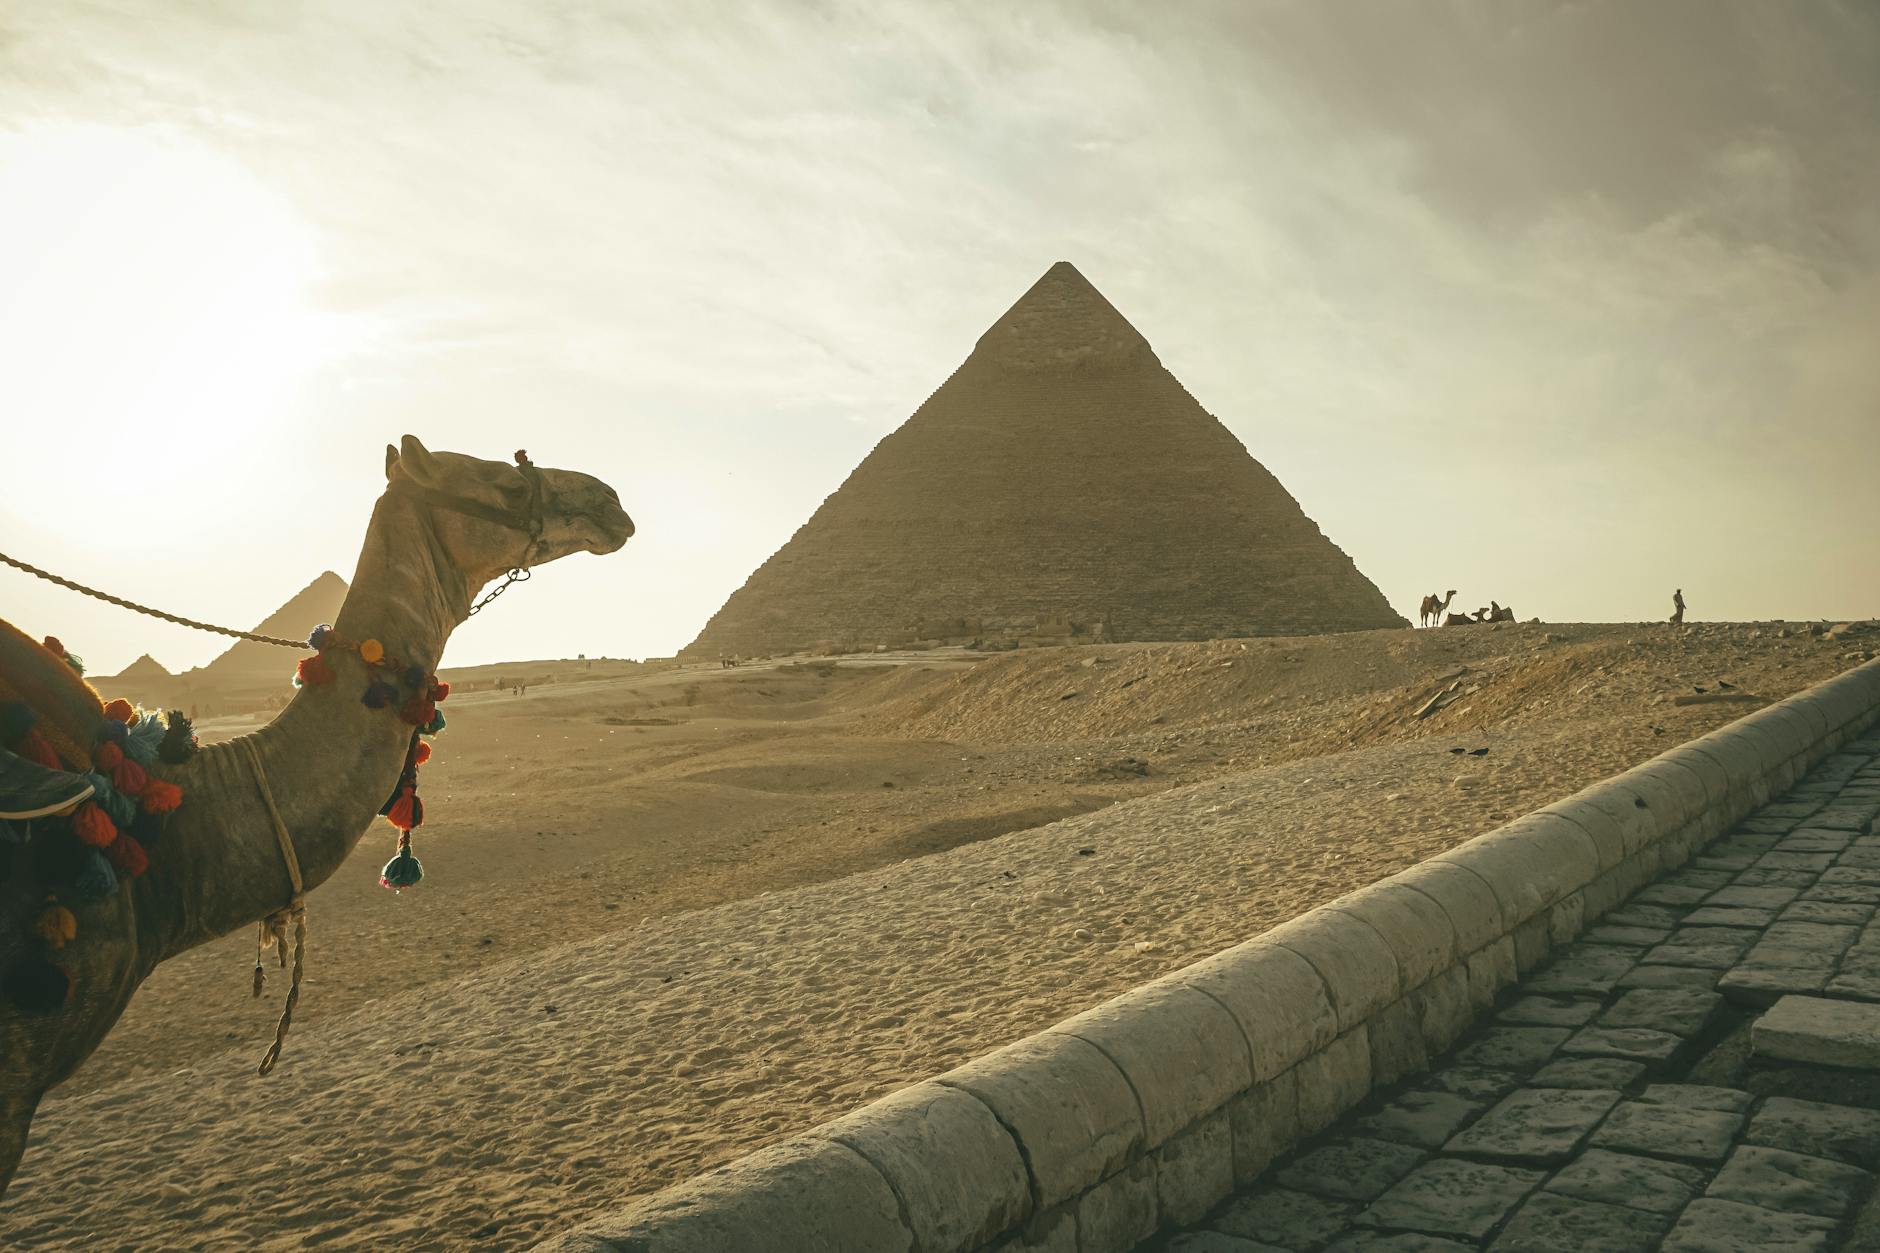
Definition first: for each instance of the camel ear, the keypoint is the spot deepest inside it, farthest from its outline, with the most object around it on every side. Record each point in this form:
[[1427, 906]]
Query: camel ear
[[417, 462], [391, 461]]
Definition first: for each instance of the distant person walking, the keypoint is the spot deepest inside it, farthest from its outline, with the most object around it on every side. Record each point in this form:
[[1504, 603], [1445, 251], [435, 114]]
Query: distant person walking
[[1677, 607]]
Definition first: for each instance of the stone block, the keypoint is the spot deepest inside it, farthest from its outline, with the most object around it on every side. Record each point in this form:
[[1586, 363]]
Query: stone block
[[1701, 1135], [1648, 976], [815, 1195], [1639, 1044], [1742, 761], [1279, 1000], [1265, 1124], [1638, 938], [1282, 1216], [1397, 1046], [1736, 897], [1195, 1171], [1824, 911], [1530, 863], [1533, 941], [1054, 1231], [1698, 1096], [1353, 1169], [1181, 1051], [1642, 1183], [1566, 919], [1793, 1183], [1490, 970], [1549, 1221], [1536, 1126], [1415, 927], [1074, 1113], [1548, 1011], [1119, 1213], [1443, 1009], [1216, 1242], [1680, 1011], [956, 1170], [1761, 986], [1454, 1198], [1359, 969], [1424, 1119], [1649, 917], [1718, 916], [1673, 791], [1711, 1226], [1514, 1048], [1588, 1072], [1585, 970], [1333, 1080], [1818, 1032], [1478, 1083], [1603, 828], [1464, 897], [1711, 776]]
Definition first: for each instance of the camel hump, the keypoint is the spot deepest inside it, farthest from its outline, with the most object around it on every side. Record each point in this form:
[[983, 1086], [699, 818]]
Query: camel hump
[[68, 708]]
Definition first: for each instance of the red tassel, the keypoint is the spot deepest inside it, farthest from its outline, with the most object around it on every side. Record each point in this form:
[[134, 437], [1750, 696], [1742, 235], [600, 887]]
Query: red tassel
[[440, 691], [314, 670], [129, 777], [54, 647], [34, 747], [92, 825], [129, 856], [417, 712], [407, 811], [160, 796], [107, 756], [423, 754], [120, 710]]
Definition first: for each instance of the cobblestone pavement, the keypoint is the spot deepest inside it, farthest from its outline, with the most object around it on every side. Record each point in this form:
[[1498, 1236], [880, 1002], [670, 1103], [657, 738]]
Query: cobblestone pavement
[[1612, 1103]]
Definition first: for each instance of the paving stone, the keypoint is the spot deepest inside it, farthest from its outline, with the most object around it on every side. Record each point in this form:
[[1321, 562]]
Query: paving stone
[[1651, 917], [1357, 1169], [1816, 862], [1217, 1242], [1548, 1011], [1639, 1044], [1760, 986], [1643, 976], [1395, 1242], [1853, 818], [1835, 876], [1766, 826], [1730, 916], [1514, 1048], [1622, 1179], [1732, 862], [1281, 1216], [1824, 911], [1859, 985], [1757, 842], [1680, 1011], [1813, 839], [1666, 894], [1703, 1135], [1541, 1125], [1844, 894], [1691, 878], [1841, 1132], [1447, 1197], [1752, 898], [1709, 954], [1713, 1226], [1478, 1083], [1789, 809], [1793, 1183], [1698, 1096], [1586, 973], [1756, 877], [1816, 1031], [1626, 937], [1425, 1119], [1588, 1072], [1549, 1223], [1810, 937]]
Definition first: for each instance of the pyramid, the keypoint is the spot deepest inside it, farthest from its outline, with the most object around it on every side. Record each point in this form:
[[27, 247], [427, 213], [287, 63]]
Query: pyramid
[[315, 603], [1061, 475], [146, 669]]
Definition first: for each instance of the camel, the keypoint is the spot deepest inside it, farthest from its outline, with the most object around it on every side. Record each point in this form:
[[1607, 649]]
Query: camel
[[1433, 609], [446, 525]]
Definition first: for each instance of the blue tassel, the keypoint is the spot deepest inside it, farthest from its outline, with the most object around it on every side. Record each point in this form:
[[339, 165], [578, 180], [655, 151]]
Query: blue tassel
[[142, 741], [402, 871], [113, 730], [317, 640], [121, 808], [379, 694], [414, 676], [435, 725], [97, 880]]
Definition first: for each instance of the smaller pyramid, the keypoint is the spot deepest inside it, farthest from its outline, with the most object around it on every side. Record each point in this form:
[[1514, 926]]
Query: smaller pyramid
[[146, 669], [315, 603]]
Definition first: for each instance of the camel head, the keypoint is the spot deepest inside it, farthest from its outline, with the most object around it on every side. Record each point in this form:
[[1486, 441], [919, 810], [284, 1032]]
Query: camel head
[[491, 517]]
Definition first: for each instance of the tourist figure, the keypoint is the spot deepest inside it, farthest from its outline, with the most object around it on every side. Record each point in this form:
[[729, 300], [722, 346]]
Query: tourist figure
[[1677, 610]]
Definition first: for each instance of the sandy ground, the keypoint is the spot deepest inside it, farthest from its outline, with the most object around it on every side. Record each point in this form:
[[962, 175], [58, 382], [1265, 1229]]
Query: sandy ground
[[669, 918]]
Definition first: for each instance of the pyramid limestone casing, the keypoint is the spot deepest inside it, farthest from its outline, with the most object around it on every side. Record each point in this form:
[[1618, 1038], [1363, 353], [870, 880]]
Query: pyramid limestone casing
[[1060, 473]]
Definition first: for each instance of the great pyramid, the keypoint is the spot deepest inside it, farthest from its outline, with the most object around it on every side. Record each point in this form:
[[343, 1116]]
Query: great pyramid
[[1061, 475], [248, 661]]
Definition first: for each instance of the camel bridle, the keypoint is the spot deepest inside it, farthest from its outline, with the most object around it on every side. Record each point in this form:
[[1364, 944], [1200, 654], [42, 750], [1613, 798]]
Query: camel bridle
[[527, 518]]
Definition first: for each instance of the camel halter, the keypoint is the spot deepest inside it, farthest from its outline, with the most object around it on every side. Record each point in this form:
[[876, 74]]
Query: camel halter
[[527, 518], [273, 933]]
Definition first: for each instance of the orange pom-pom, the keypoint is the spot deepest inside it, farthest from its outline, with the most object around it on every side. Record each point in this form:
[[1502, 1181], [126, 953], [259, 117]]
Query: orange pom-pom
[[34, 747], [129, 777], [406, 812], [107, 756], [129, 856], [56, 926], [160, 796], [439, 691], [120, 710], [54, 647], [423, 755], [94, 826], [372, 651], [313, 671]]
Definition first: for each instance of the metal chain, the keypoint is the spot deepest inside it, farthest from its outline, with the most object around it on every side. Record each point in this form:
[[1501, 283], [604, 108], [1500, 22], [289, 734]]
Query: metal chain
[[515, 576], [155, 613]]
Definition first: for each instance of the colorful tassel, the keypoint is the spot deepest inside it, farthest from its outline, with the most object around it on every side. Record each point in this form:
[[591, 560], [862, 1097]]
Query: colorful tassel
[[379, 694], [37, 985], [372, 651], [320, 636], [92, 825], [56, 925], [423, 754], [313, 671], [435, 725], [414, 676], [440, 690], [403, 870], [407, 811], [120, 808], [179, 739], [417, 712], [129, 856], [121, 710], [34, 747], [144, 740], [107, 755], [96, 879], [160, 796]]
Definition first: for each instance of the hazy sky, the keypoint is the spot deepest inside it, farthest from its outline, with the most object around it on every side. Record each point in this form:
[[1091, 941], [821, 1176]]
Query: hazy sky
[[1565, 304]]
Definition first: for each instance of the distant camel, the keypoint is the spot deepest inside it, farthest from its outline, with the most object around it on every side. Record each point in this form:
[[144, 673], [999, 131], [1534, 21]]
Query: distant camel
[[1434, 609]]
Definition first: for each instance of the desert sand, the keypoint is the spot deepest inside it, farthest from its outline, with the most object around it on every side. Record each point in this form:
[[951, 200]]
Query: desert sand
[[668, 918]]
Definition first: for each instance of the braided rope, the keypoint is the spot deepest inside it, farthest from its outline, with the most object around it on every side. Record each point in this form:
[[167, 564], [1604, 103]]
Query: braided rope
[[274, 926], [146, 609]]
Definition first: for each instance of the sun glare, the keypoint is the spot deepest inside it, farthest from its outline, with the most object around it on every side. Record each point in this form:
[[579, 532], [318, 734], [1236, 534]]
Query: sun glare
[[153, 306]]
